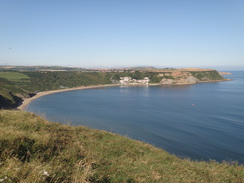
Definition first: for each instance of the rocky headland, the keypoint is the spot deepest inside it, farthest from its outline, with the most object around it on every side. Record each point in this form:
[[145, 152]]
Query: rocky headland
[[178, 77]]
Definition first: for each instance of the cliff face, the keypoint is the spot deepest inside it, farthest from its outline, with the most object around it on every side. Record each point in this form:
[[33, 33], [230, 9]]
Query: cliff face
[[10, 101], [178, 81], [189, 77]]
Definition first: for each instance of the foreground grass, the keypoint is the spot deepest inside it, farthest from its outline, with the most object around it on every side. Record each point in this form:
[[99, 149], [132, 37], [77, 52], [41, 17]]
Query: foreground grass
[[35, 150]]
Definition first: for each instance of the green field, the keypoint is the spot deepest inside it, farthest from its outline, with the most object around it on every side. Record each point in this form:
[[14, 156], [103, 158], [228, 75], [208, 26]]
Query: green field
[[14, 76], [35, 150]]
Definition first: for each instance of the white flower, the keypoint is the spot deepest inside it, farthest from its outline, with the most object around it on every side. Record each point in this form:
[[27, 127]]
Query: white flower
[[45, 173], [1, 180]]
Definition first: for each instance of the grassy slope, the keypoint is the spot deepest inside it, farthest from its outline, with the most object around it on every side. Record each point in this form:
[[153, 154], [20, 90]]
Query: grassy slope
[[35, 150], [207, 75], [12, 82], [5, 93], [44, 81], [9, 92]]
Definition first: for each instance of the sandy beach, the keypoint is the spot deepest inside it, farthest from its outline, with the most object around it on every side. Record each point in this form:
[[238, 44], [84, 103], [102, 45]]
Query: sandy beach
[[27, 101]]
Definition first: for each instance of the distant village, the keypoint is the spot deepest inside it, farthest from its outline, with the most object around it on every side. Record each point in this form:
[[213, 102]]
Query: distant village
[[130, 81]]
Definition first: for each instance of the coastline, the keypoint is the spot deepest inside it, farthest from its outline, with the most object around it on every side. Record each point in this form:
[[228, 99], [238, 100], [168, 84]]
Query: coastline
[[27, 101]]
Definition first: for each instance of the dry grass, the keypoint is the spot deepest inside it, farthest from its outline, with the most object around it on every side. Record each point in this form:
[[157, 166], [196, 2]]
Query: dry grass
[[35, 150]]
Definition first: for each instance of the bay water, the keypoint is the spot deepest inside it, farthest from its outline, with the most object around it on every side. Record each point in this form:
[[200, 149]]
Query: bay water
[[202, 122]]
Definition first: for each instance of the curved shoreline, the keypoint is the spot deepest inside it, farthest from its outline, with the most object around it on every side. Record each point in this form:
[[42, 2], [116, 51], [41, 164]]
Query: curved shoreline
[[27, 101]]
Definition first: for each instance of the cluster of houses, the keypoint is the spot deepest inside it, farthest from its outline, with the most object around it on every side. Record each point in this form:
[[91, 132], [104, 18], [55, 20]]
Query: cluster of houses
[[130, 81]]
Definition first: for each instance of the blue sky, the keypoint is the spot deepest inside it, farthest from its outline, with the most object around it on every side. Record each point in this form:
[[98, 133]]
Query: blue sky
[[115, 33]]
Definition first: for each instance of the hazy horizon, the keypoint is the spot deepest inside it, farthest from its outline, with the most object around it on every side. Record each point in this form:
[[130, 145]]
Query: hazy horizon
[[229, 67]]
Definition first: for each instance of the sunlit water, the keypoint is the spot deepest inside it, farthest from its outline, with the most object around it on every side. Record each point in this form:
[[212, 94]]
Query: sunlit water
[[203, 121]]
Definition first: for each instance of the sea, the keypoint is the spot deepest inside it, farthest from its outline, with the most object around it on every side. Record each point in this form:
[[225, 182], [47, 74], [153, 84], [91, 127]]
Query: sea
[[201, 122]]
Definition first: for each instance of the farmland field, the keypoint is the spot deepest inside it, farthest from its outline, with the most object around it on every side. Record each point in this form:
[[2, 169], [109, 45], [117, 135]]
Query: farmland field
[[14, 76]]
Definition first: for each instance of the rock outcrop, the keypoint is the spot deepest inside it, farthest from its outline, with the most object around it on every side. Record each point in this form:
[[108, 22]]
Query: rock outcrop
[[178, 81]]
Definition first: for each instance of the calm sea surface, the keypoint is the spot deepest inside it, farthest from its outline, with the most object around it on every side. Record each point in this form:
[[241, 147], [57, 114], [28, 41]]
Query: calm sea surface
[[203, 121]]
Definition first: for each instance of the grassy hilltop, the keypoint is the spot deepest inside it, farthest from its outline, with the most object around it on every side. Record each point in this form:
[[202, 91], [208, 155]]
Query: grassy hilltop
[[35, 150]]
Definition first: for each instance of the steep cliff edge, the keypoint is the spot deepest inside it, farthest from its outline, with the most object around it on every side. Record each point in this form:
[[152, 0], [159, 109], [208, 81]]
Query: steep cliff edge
[[8, 100], [11, 95]]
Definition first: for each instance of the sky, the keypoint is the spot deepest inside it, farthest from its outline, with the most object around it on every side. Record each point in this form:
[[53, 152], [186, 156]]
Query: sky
[[119, 33]]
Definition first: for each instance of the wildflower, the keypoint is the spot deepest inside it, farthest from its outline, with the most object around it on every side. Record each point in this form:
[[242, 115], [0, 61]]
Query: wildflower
[[45, 173], [1, 180]]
